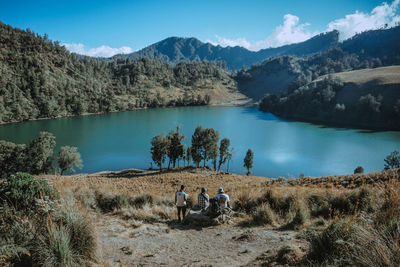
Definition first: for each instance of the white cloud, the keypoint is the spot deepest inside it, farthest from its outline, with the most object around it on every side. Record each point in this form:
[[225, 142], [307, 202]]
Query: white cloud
[[224, 42], [293, 32], [102, 51], [290, 32], [359, 21]]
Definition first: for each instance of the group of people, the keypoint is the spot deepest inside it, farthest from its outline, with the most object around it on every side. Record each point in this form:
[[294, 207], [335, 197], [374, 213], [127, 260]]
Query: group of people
[[220, 200]]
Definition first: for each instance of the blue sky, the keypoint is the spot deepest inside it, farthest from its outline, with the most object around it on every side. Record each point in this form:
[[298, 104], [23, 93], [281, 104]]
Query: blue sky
[[127, 26]]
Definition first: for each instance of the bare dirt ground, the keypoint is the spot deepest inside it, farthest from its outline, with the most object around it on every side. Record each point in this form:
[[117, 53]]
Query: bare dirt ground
[[173, 244]]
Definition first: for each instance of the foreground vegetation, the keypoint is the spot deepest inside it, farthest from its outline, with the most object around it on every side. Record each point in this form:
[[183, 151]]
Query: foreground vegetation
[[341, 220]]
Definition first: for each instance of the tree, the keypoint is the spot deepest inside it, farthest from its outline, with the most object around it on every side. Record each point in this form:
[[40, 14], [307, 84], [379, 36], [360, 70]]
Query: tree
[[12, 158], [40, 153], [359, 169], [159, 149], [197, 145], [210, 146], [248, 160], [223, 151], [392, 161], [68, 158], [188, 155], [176, 149]]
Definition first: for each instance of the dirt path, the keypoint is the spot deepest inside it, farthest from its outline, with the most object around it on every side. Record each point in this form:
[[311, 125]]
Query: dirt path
[[124, 244]]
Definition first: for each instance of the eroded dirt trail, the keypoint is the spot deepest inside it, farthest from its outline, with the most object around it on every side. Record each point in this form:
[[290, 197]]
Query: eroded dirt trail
[[122, 243]]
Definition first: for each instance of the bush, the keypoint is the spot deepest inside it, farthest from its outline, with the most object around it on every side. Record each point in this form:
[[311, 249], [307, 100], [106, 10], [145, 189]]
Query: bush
[[319, 206], [245, 202], [141, 200], [331, 245], [55, 249], [82, 237], [263, 214], [359, 169], [21, 190], [300, 217]]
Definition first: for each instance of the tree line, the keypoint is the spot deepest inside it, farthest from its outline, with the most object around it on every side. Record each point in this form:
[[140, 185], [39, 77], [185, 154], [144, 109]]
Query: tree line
[[37, 156], [205, 147], [41, 79]]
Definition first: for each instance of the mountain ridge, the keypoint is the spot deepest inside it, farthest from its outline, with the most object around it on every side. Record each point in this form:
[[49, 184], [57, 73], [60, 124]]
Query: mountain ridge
[[175, 49]]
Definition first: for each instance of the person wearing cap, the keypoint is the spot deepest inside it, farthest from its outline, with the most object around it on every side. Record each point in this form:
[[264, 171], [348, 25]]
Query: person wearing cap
[[222, 198], [203, 199]]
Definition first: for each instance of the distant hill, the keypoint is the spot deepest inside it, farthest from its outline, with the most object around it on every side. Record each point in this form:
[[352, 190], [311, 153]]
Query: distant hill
[[367, 98], [281, 75], [175, 49], [41, 79]]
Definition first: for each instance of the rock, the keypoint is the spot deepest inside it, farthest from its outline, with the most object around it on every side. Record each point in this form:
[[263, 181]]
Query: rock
[[199, 218], [126, 250]]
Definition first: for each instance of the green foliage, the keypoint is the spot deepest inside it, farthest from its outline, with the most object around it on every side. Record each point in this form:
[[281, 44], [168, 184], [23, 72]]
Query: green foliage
[[197, 144], [359, 169], [21, 190], [224, 152], [248, 160], [159, 149], [176, 149], [209, 150], [68, 158], [12, 158], [392, 161], [40, 153], [35, 158], [52, 82]]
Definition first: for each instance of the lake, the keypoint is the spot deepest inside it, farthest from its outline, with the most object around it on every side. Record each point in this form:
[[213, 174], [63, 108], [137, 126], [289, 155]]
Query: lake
[[119, 141]]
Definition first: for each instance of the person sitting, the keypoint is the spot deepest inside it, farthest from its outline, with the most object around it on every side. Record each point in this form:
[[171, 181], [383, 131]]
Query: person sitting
[[203, 199], [222, 199]]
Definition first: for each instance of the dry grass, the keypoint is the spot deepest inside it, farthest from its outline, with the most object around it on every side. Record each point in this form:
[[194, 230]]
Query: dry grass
[[349, 219]]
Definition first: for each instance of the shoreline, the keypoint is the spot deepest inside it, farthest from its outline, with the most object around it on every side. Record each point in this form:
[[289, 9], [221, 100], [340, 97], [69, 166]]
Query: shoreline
[[247, 103], [330, 124]]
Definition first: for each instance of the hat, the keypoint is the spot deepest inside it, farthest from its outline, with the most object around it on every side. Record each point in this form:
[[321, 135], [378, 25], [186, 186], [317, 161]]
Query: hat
[[220, 190], [203, 189]]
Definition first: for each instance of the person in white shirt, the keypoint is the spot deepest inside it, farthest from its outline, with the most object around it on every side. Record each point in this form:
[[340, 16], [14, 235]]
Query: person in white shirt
[[222, 198], [180, 202]]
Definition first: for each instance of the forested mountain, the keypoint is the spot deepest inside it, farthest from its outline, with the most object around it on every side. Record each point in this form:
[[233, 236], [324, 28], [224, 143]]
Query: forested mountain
[[175, 49], [284, 74], [367, 98], [345, 85], [41, 79]]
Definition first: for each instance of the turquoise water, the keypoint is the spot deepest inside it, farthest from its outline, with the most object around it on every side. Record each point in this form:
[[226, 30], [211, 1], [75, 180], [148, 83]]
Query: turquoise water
[[281, 148]]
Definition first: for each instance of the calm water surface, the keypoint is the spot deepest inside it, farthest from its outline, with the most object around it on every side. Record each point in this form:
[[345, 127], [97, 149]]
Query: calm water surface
[[122, 140]]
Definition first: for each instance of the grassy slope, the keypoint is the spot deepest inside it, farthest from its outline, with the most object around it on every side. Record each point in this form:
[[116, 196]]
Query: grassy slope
[[383, 81]]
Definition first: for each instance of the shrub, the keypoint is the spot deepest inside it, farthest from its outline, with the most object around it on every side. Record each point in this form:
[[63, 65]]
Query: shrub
[[319, 206], [263, 214], [141, 200], [21, 190], [392, 161], [359, 169], [54, 248], [110, 202], [82, 237], [300, 216], [331, 245], [245, 203]]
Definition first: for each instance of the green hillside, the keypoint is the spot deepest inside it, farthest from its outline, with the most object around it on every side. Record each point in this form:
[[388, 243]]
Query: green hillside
[[368, 98], [41, 79]]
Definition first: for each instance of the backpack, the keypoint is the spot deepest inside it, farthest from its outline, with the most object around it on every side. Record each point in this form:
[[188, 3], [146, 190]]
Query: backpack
[[222, 201], [180, 199]]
